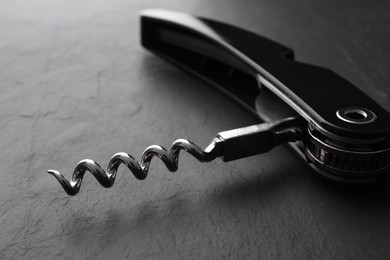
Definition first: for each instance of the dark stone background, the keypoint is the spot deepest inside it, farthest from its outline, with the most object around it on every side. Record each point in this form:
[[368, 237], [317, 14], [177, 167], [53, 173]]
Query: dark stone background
[[76, 84]]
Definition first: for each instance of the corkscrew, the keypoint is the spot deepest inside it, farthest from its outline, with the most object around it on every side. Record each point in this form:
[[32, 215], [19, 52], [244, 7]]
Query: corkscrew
[[338, 131]]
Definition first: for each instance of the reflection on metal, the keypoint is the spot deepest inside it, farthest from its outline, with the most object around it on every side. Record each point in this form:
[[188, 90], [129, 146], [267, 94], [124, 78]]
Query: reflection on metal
[[138, 168], [356, 115]]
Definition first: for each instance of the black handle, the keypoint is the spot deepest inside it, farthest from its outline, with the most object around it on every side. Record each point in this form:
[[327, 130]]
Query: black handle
[[236, 61]]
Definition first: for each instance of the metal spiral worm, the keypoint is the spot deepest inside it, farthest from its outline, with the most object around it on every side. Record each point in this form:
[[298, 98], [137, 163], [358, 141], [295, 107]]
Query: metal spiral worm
[[138, 168]]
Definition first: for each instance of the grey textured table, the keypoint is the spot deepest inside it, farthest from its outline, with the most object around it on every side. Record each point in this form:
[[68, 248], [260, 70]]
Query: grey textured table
[[76, 84]]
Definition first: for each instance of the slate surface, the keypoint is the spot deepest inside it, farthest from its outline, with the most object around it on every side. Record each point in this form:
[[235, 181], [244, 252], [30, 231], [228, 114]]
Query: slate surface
[[76, 84]]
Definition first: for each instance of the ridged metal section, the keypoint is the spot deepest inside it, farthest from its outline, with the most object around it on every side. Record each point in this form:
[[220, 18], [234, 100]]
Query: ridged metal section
[[351, 163]]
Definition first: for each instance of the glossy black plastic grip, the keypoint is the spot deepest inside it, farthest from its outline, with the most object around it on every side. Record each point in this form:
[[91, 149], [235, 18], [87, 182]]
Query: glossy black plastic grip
[[236, 61]]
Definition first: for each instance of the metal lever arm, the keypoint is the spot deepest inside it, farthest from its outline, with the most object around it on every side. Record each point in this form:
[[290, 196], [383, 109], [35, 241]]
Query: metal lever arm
[[256, 139]]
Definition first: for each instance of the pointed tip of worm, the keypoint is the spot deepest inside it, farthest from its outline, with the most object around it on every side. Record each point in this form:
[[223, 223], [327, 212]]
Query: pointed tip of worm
[[68, 188], [52, 172], [56, 174]]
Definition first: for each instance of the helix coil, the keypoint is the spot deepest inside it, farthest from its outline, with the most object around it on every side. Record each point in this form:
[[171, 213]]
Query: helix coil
[[139, 168]]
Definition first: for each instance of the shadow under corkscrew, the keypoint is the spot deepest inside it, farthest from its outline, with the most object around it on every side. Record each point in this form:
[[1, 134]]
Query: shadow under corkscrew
[[138, 168]]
